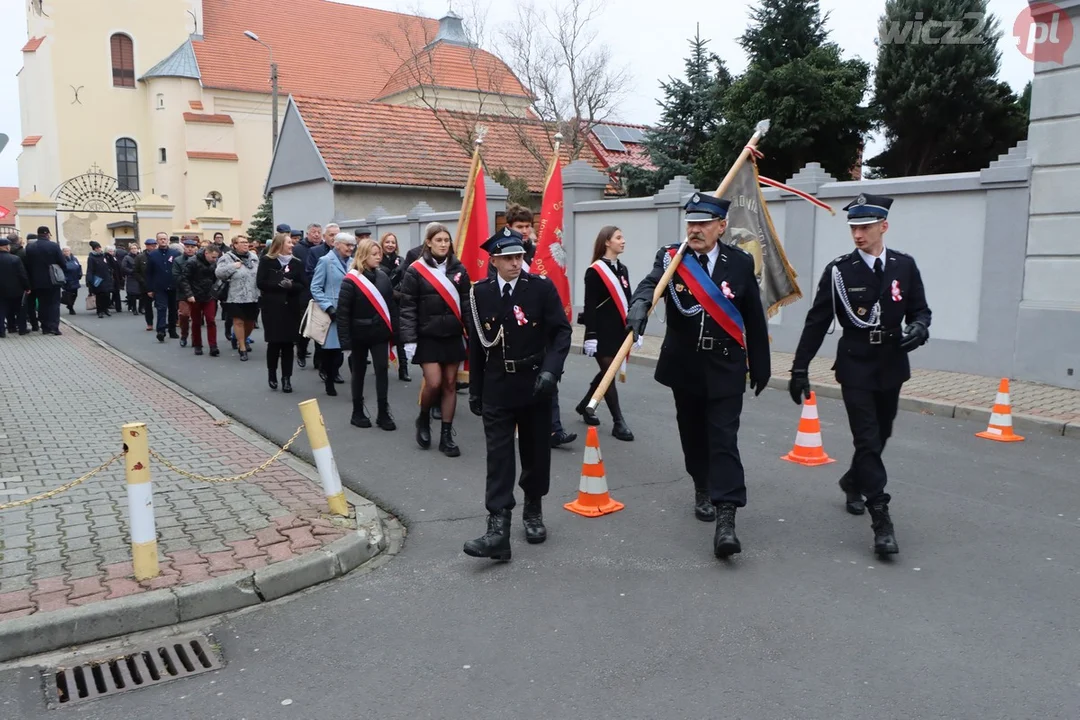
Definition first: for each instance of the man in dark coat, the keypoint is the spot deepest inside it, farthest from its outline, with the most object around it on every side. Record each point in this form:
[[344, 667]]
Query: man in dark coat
[[42, 255], [14, 285], [716, 328], [519, 338], [871, 291], [160, 286]]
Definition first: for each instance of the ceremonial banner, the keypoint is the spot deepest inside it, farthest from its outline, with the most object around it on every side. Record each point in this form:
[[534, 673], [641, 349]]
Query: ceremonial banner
[[550, 258], [750, 227], [473, 224]]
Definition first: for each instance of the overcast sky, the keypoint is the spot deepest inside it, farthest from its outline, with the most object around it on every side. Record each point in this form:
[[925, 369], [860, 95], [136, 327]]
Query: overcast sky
[[651, 45]]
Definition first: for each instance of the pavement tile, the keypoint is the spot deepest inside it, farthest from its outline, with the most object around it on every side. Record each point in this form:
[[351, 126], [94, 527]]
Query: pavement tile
[[51, 601], [16, 614], [15, 601], [52, 584], [300, 537], [245, 549], [86, 586], [121, 587], [278, 552]]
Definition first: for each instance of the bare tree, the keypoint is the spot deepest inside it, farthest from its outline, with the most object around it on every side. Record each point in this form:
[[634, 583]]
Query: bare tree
[[573, 77]]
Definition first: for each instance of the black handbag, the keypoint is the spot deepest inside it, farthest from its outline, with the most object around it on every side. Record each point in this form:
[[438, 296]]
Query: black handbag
[[220, 290]]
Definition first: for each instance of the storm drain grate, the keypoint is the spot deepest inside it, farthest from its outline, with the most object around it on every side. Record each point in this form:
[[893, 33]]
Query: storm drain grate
[[156, 664]]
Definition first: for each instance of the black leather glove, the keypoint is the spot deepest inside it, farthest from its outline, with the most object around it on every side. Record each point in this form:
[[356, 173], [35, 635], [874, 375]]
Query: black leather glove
[[285, 283], [546, 384], [637, 317], [476, 405], [799, 386], [915, 335], [332, 312], [758, 384]]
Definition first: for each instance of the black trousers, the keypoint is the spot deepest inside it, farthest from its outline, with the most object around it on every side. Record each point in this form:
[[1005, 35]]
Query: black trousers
[[709, 431], [101, 301], [9, 315], [282, 351], [48, 309], [533, 424], [330, 362], [380, 361], [870, 414], [116, 301], [146, 307], [165, 304]]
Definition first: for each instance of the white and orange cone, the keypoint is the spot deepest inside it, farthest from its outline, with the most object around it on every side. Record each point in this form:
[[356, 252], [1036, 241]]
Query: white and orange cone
[[809, 449], [593, 499], [1000, 426]]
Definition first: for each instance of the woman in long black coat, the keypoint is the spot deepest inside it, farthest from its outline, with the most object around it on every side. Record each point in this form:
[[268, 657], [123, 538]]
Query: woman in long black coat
[[99, 278], [605, 326], [280, 279], [394, 266]]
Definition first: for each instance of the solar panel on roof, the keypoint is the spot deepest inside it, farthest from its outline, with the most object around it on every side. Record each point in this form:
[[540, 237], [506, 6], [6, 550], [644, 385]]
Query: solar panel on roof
[[608, 139], [625, 134]]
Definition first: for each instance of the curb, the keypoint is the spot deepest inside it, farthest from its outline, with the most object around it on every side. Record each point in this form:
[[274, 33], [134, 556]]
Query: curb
[[912, 403], [377, 534]]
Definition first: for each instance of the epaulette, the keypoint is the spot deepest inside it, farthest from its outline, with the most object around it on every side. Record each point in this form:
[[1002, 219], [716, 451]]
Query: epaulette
[[482, 281], [901, 253], [736, 247], [836, 260]]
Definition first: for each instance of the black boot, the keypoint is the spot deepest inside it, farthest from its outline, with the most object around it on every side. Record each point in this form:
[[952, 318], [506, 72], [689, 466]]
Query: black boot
[[533, 517], [423, 429], [385, 420], [446, 441], [330, 389], [854, 500], [272, 380], [725, 542], [884, 534], [583, 406], [704, 510], [621, 430], [359, 416], [494, 544], [286, 384], [403, 372]]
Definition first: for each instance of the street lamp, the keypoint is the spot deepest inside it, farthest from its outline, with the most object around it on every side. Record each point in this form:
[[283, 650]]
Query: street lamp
[[273, 80]]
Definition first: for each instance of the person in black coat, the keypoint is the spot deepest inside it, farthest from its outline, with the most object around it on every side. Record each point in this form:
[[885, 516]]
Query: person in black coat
[[366, 327], [40, 255], [519, 338], [281, 283], [873, 290], [196, 286], [394, 266], [99, 278], [604, 321], [73, 272], [433, 330], [705, 357], [14, 286]]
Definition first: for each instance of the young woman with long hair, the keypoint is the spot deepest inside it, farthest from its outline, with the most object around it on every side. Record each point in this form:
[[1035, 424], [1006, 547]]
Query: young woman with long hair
[[434, 305], [607, 298], [281, 283]]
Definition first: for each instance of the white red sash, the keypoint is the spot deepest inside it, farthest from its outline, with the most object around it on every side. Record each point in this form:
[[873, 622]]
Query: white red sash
[[445, 288], [376, 299], [611, 280]]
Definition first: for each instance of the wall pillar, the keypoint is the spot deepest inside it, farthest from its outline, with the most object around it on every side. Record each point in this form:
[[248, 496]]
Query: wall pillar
[[669, 203], [155, 214], [581, 183], [214, 221], [36, 210], [416, 229], [496, 202]]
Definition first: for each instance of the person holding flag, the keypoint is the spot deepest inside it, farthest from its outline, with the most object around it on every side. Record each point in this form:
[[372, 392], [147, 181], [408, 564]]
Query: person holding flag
[[716, 328], [366, 325]]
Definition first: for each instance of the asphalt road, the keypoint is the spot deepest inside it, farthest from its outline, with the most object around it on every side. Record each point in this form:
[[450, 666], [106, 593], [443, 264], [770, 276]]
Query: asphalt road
[[629, 616]]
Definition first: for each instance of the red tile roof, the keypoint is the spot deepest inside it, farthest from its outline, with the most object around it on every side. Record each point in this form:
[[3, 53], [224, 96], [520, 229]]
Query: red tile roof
[[200, 155], [637, 156], [195, 104], [380, 143], [352, 59], [454, 66], [213, 119], [30, 140], [33, 44], [8, 196]]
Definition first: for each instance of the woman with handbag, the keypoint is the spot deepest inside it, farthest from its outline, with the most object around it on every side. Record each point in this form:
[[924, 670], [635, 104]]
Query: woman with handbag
[[238, 267], [434, 305], [325, 287], [607, 298], [73, 273], [99, 278], [280, 279], [365, 323]]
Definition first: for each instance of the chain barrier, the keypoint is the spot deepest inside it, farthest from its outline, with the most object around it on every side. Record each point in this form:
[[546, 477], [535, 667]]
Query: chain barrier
[[233, 478], [62, 488]]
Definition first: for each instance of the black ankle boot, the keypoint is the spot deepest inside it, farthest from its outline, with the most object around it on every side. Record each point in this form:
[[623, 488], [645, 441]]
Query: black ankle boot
[[884, 534], [495, 543], [621, 430], [704, 510], [384, 419], [286, 384], [853, 500], [423, 429], [446, 441], [403, 373], [583, 406], [330, 389], [533, 517], [725, 541], [272, 380], [359, 417]]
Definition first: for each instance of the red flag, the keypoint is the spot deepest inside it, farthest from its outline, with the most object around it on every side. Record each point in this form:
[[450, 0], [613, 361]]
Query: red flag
[[3, 212], [473, 225], [550, 259]]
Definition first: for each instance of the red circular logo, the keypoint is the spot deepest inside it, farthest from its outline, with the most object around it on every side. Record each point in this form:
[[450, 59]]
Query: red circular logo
[[1043, 33]]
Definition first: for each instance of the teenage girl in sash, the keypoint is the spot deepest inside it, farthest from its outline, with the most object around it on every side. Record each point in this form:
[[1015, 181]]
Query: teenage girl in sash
[[607, 298], [434, 303]]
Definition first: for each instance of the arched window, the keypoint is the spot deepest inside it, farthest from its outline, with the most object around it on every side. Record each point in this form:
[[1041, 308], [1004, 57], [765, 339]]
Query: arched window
[[127, 164], [123, 61]]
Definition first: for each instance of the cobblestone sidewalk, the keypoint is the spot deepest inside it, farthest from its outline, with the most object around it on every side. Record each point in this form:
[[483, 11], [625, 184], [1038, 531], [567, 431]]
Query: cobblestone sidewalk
[[63, 401]]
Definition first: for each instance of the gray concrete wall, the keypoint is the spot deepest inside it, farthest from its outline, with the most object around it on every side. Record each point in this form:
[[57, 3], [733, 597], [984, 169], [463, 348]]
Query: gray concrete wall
[[304, 203], [353, 201]]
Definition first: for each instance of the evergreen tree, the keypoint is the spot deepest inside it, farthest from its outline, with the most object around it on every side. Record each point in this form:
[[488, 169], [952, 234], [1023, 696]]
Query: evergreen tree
[[262, 225], [799, 81], [937, 98], [517, 189]]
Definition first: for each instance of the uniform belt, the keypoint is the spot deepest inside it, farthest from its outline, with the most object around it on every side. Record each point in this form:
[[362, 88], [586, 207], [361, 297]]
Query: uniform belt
[[531, 362], [709, 343], [874, 336]]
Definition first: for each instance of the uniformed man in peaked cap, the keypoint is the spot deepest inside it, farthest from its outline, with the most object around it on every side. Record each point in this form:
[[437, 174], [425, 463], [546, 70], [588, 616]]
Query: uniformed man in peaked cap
[[871, 291], [716, 328], [519, 338]]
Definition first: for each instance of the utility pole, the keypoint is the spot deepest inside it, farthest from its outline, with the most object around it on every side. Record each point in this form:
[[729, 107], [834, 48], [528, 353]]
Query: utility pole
[[273, 84]]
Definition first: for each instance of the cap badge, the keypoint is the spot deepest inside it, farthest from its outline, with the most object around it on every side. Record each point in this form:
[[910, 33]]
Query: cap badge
[[506, 231], [696, 198], [861, 200]]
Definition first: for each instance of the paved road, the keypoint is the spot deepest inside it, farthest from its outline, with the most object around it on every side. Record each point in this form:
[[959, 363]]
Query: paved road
[[629, 616]]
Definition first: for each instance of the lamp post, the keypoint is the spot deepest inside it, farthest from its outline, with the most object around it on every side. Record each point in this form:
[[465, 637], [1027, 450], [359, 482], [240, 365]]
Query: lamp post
[[273, 81]]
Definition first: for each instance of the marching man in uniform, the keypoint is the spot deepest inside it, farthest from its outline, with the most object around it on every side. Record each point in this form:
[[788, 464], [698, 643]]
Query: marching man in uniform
[[518, 342], [715, 324], [870, 291]]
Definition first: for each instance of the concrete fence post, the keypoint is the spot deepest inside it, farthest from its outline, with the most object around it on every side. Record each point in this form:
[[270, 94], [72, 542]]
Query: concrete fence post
[[144, 555], [324, 457]]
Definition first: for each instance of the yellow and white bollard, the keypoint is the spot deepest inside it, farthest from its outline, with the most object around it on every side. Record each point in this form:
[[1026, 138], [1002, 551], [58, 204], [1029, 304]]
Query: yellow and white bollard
[[324, 457], [144, 553]]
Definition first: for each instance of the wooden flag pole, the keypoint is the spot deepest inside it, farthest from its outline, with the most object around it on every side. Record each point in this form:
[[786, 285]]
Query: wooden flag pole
[[661, 286]]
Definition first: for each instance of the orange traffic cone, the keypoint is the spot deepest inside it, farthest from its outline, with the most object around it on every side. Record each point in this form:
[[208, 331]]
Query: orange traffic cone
[[593, 499], [808, 449], [1000, 426]]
